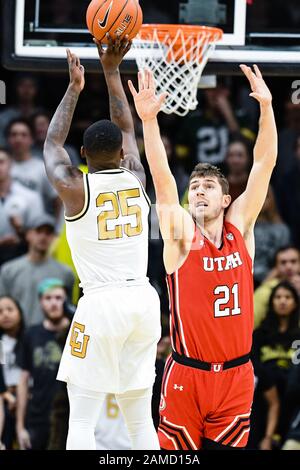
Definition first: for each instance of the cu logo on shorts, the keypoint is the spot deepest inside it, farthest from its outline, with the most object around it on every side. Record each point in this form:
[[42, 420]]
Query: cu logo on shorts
[[78, 346]]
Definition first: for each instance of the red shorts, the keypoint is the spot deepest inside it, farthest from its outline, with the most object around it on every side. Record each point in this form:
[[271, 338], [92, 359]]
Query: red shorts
[[197, 404]]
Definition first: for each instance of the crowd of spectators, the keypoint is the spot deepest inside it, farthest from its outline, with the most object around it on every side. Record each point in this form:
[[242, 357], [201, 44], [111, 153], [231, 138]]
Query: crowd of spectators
[[39, 288]]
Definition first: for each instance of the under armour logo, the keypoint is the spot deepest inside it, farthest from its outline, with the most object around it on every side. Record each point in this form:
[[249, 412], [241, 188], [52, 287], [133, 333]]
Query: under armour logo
[[178, 387], [229, 236]]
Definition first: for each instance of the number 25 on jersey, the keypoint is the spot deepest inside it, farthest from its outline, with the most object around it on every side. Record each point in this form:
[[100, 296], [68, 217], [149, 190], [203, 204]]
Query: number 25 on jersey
[[120, 206]]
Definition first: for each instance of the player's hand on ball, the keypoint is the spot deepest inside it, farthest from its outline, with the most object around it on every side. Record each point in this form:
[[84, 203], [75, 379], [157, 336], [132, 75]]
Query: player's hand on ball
[[259, 89], [76, 70], [147, 103], [112, 56]]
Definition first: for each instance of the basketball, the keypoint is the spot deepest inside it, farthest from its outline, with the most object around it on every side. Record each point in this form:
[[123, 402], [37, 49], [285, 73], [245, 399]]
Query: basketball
[[114, 17]]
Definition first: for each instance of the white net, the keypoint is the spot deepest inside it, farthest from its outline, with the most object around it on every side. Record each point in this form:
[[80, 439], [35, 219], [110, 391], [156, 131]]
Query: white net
[[177, 62]]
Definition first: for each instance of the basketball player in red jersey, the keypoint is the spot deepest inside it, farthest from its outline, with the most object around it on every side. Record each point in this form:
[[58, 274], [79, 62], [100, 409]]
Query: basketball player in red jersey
[[208, 383]]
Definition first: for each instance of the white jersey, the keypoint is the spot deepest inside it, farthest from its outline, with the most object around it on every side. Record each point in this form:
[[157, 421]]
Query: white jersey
[[109, 238]]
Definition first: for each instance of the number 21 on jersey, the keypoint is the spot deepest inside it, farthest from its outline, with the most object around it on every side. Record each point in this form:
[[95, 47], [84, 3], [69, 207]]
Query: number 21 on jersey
[[220, 309], [120, 204]]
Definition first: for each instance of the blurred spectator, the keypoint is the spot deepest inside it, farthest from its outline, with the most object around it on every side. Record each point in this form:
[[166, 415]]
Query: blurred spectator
[[40, 124], [28, 170], [270, 235], [265, 411], [293, 399], [272, 342], [11, 334], [237, 167], [39, 360], [19, 278], [26, 91], [289, 191], [205, 134], [287, 268], [18, 208]]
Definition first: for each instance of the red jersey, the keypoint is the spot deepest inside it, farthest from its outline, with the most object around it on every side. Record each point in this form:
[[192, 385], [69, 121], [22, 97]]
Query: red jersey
[[211, 299]]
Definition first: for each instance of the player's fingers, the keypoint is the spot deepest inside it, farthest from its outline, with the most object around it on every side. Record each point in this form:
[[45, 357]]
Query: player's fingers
[[162, 98], [82, 69], [110, 42], [132, 88], [68, 55], [257, 71], [255, 95], [141, 81], [99, 46], [146, 79], [127, 48], [77, 60], [117, 42], [151, 81], [249, 74]]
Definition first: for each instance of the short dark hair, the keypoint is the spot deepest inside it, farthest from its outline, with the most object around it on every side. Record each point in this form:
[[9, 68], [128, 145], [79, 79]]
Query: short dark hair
[[23, 121], [102, 138], [283, 249], [202, 170]]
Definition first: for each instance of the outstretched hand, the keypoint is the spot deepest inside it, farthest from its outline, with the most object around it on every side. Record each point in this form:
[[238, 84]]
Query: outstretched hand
[[76, 71], [112, 56], [147, 103], [259, 89]]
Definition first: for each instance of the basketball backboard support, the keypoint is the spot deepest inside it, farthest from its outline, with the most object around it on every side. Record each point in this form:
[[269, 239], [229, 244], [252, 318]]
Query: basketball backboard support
[[255, 31]]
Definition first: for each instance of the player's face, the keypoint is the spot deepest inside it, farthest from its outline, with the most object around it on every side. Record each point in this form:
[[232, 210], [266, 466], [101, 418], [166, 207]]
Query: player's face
[[288, 263], [52, 303], [10, 317], [283, 302], [206, 198]]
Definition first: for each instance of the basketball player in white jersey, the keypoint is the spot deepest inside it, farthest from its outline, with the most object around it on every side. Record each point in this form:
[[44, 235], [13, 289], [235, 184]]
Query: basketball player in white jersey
[[111, 347]]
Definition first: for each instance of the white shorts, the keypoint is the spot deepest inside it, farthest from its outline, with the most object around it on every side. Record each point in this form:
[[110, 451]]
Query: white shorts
[[112, 343]]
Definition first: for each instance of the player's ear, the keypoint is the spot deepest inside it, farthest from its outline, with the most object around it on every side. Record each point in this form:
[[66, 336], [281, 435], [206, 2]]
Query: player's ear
[[122, 156], [226, 200], [82, 153]]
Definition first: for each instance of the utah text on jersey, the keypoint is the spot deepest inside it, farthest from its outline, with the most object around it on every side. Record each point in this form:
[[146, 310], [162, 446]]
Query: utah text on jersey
[[222, 263]]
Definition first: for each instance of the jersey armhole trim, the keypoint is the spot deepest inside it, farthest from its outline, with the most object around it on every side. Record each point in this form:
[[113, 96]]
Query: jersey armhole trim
[[142, 186], [86, 201]]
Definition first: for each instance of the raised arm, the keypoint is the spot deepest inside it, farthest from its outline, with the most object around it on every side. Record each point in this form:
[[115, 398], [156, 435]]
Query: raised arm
[[62, 175], [176, 224], [245, 210], [120, 113]]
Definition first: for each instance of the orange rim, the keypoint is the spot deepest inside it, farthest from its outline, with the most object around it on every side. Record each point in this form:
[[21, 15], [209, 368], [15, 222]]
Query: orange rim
[[189, 31]]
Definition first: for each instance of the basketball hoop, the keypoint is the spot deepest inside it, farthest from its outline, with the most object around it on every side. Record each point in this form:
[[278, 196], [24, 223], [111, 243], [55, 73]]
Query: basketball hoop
[[177, 55]]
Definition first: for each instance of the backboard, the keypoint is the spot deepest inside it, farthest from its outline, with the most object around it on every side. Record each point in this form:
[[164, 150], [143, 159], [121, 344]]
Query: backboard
[[37, 32]]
